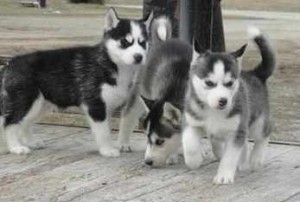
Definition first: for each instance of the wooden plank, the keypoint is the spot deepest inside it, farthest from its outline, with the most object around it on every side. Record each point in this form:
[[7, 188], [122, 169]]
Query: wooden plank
[[70, 169], [180, 184]]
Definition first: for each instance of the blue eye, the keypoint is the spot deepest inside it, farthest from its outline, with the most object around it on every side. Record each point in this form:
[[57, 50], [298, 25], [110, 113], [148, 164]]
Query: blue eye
[[124, 43], [228, 84], [142, 43], [210, 84], [159, 142]]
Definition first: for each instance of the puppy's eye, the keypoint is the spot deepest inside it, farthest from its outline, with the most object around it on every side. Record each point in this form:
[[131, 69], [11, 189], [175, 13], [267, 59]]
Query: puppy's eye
[[210, 84], [159, 142], [124, 43], [228, 84], [142, 43]]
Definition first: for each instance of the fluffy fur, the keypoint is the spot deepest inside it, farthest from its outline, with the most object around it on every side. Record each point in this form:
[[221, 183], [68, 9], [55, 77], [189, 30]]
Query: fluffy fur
[[99, 79], [229, 105], [164, 81]]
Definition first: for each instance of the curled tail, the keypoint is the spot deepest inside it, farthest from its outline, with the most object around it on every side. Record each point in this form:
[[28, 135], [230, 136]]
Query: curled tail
[[161, 30], [266, 67]]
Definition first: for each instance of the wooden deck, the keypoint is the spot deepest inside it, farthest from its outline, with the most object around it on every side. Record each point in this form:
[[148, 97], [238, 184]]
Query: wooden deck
[[70, 169]]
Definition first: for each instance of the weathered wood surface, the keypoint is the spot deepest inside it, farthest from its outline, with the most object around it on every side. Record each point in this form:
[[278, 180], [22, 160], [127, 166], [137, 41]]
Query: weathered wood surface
[[70, 169]]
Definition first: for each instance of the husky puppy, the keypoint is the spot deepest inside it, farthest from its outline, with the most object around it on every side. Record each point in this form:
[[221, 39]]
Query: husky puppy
[[228, 104], [99, 79], [164, 82]]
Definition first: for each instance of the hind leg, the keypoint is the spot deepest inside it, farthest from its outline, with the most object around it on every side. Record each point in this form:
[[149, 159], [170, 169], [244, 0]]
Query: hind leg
[[129, 119], [98, 119], [260, 131], [3, 142], [17, 126]]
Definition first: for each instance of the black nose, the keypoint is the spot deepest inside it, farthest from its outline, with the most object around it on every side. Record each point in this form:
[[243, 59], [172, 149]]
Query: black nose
[[149, 162], [138, 58], [222, 102]]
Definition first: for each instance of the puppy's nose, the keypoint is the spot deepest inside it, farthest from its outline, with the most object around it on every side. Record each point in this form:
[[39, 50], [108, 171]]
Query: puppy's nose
[[222, 102], [149, 162], [138, 58]]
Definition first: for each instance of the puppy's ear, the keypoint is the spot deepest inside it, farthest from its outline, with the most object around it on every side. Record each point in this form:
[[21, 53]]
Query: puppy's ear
[[111, 19], [198, 50], [148, 103], [173, 114], [148, 20], [238, 54]]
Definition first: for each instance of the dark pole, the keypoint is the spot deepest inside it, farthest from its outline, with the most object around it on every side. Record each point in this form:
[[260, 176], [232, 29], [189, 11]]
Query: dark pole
[[43, 3], [202, 25]]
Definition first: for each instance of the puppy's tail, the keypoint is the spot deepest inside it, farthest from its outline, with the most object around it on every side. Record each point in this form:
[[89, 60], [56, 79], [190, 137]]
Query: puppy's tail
[[266, 67], [161, 30]]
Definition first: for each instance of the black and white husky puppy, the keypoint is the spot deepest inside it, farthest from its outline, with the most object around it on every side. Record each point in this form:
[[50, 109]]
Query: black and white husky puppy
[[99, 79], [164, 82], [229, 105]]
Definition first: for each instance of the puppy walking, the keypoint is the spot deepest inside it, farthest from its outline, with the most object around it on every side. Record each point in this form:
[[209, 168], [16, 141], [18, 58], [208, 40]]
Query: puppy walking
[[99, 79], [229, 105]]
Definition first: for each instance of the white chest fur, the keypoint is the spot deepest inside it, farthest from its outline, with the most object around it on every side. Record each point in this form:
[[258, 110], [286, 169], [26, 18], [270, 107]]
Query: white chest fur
[[215, 123], [218, 124], [117, 95]]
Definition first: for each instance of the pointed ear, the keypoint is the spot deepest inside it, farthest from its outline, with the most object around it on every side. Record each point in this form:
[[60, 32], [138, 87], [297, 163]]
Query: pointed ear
[[240, 52], [148, 20], [148, 103], [173, 114], [198, 50], [196, 53], [111, 19]]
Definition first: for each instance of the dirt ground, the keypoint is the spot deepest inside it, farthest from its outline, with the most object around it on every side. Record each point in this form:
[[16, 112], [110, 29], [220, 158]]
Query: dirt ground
[[23, 31]]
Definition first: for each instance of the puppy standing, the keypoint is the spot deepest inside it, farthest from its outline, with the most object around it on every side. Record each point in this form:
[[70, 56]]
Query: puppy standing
[[228, 104], [99, 79]]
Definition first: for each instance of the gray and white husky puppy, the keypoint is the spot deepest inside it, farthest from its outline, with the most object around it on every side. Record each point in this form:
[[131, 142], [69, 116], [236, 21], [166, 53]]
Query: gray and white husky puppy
[[229, 104], [99, 79], [164, 81]]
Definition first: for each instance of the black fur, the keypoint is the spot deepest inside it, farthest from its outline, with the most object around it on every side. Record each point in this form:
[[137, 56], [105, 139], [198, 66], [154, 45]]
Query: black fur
[[176, 72], [64, 77]]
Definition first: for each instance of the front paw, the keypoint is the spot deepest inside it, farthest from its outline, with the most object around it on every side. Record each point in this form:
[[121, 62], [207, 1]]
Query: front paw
[[224, 178], [109, 152], [37, 145], [193, 159], [125, 149], [19, 150], [255, 163]]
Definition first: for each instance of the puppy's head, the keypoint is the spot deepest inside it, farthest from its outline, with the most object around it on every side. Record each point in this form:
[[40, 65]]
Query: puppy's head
[[126, 40], [163, 128], [215, 76]]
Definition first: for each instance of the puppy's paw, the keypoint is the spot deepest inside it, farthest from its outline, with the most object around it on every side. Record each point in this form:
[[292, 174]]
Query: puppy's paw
[[224, 178], [125, 149], [109, 152], [37, 145], [19, 150], [173, 159], [256, 163], [193, 159]]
